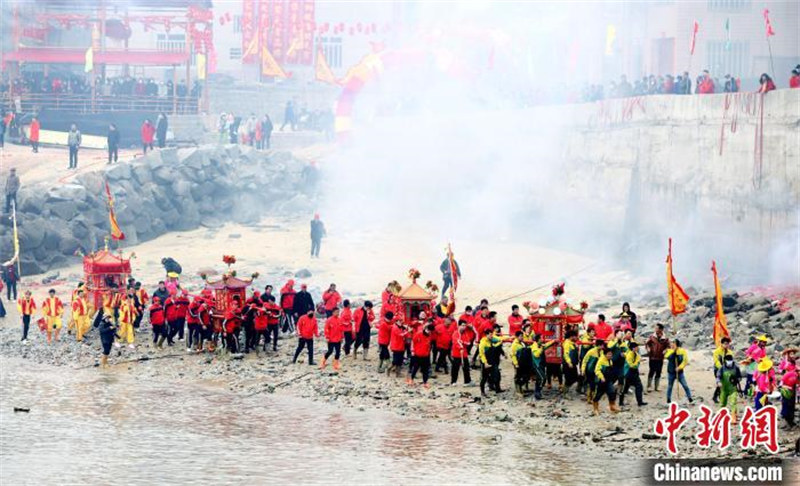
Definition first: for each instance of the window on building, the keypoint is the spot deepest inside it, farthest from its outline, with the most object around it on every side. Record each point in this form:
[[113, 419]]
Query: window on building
[[171, 42], [237, 24], [235, 53], [728, 59], [332, 50], [720, 5]]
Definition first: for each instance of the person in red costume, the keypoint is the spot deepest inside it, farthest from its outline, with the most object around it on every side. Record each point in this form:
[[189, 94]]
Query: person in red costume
[[287, 306], [231, 325], [33, 134], [362, 323], [148, 134], [384, 336], [307, 329], [331, 300], [273, 312], [397, 345], [514, 321], [421, 355], [602, 330], [794, 80], [334, 333], [348, 329], [442, 340], [459, 351]]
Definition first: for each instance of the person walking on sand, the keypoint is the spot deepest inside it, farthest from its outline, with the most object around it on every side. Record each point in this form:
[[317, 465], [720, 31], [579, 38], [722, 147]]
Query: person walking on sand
[[719, 356], [52, 310], [490, 349], [605, 382], [331, 300], [362, 321], [127, 314], [12, 186], [347, 326], [307, 329], [656, 345], [728, 379], [287, 306], [303, 302], [108, 331], [334, 333], [158, 322], [81, 312], [74, 140], [459, 352], [384, 338], [112, 142], [421, 355], [26, 307], [33, 134], [273, 312], [631, 374], [317, 233], [443, 339], [397, 345], [10, 278], [677, 360]]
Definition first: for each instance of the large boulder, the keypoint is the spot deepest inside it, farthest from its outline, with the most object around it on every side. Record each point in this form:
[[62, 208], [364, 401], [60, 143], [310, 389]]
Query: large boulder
[[31, 233], [66, 192], [142, 173], [64, 210], [118, 172]]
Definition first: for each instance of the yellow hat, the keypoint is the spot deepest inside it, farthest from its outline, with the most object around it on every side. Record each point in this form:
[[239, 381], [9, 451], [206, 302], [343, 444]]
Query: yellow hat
[[762, 337], [764, 365]]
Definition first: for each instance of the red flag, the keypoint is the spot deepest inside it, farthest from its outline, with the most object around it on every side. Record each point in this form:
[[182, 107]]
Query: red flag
[[453, 267], [116, 233], [720, 322], [694, 37], [678, 298], [770, 32]]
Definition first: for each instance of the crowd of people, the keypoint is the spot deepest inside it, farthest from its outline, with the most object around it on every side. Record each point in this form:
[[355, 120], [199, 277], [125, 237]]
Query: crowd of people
[[596, 361], [69, 83], [253, 131], [680, 84]]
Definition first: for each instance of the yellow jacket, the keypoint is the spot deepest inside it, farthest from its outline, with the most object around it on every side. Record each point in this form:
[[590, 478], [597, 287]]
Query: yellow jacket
[[681, 356], [568, 346], [516, 345], [593, 353], [719, 356], [632, 359], [602, 365]]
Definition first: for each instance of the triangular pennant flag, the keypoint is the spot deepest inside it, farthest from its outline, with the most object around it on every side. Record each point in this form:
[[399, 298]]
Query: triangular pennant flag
[[293, 46], [322, 70], [252, 49], [269, 66], [676, 296], [720, 321]]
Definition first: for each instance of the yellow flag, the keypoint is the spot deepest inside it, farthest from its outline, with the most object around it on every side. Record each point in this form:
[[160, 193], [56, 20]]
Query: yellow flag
[[201, 66], [89, 60], [611, 35], [269, 66], [295, 44], [322, 71], [677, 297], [720, 321]]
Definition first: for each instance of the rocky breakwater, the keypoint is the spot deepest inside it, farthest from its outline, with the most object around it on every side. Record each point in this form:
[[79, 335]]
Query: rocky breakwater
[[167, 190]]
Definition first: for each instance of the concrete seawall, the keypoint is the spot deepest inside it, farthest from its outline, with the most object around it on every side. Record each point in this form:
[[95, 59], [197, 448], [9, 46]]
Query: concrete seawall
[[164, 191]]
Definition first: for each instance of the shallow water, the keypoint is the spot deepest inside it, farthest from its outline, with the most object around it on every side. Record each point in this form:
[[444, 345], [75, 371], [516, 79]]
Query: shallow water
[[107, 427]]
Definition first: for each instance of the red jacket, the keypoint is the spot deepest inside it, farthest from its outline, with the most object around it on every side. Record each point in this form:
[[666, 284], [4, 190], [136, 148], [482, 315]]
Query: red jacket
[[766, 87], [460, 343], [602, 330], [384, 332], [358, 316], [193, 312], [273, 312], [331, 299], [287, 298], [233, 321], [347, 321], [333, 329], [261, 321], [466, 317], [706, 86], [307, 327], [148, 132], [444, 336], [33, 134], [421, 344], [794, 81], [514, 324], [397, 343], [156, 315]]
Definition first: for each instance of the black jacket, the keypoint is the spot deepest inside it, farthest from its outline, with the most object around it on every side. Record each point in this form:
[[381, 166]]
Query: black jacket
[[303, 302], [317, 229], [113, 138], [445, 268], [161, 128]]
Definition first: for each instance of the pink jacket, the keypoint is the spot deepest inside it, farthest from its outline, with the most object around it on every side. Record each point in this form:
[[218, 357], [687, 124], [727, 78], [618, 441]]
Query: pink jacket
[[755, 352], [765, 382]]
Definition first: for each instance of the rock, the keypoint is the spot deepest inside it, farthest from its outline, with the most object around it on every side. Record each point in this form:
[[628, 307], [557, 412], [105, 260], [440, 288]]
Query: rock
[[234, 236], [304, 273], [63, 209], [757, 317], [612, 293], [67, 192], [118, 171]]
